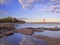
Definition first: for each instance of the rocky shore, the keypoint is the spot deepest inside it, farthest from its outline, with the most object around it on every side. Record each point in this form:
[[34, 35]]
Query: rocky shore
[[30, 31], [6, 29]]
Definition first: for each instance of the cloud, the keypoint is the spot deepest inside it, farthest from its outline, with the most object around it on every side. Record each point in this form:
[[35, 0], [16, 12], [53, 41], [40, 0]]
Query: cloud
[[55, 1], [53, 5], [55, 8], [5, 2], [3, 12], [28, 3]]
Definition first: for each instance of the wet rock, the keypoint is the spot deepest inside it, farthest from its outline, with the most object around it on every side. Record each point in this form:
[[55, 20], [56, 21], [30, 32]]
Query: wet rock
[[6, 29], [49, 40], [38, 29], [6, 26], [25, 31], [8, 33], [52, 29], [1, 35], [30, 28]]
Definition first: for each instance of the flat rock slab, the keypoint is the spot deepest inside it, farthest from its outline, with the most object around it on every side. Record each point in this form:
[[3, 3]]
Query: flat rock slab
[[28, 31], [25, 31], [49, 40], [38, 30], [1, 35], [7, 33], [8, 26]]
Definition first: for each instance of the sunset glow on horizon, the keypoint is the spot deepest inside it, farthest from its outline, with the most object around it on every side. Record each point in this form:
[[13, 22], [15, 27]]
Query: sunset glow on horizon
[[42, 20]]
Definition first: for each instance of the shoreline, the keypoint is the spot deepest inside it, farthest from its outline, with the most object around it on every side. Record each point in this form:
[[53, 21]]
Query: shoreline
[[8, 29]]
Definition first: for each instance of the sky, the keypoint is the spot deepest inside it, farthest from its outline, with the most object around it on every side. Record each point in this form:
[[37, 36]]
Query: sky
[[31, 10]]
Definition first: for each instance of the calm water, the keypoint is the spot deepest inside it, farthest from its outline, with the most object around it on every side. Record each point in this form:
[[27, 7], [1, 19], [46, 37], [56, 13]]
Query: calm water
[[18, 38], [53, 34], [11, 40], [37, 25]]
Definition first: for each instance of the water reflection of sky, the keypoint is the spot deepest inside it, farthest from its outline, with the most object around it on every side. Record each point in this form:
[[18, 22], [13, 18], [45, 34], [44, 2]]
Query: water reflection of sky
[[18, 37], [30, 40], [11, 40], [54, 34]]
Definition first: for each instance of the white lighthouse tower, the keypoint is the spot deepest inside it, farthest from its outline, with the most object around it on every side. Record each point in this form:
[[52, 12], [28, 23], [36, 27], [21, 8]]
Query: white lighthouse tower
[[44, 20]]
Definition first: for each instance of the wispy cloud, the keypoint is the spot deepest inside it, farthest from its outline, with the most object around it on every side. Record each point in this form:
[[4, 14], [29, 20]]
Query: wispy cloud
[[28, 3], [3, 12], [55, 8], [53, 5], [5, 2]]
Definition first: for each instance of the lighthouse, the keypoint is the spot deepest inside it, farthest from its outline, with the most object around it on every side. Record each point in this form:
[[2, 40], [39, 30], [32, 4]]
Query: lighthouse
[[44, 20]]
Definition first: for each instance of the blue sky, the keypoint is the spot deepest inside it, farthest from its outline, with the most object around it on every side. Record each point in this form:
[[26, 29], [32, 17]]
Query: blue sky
[[33, 10]]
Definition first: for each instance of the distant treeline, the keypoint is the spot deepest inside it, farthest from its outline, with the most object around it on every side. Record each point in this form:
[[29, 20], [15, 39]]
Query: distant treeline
[[10, 20]]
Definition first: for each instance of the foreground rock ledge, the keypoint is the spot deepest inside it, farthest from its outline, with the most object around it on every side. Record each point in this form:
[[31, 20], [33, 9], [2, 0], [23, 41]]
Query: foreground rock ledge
[[6, 29], [25, 31], [28, 31], [49, 40]]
